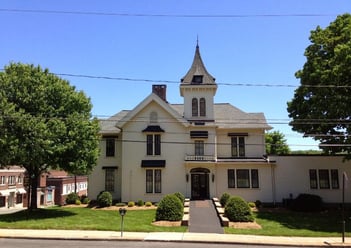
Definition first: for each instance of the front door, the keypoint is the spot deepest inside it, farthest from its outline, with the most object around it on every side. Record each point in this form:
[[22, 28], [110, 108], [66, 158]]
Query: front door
[[199, 186]]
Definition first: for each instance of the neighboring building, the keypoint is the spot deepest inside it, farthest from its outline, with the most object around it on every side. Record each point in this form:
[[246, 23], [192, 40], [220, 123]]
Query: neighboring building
[[12, 191], [201, 149], [65, 184]]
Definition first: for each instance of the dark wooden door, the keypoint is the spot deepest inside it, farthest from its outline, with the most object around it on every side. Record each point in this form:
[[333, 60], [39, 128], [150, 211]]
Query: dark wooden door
[[199, 186]]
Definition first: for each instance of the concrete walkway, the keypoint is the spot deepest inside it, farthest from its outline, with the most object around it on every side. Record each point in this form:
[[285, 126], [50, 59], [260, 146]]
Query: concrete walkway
[[203, 218], [175, 237]]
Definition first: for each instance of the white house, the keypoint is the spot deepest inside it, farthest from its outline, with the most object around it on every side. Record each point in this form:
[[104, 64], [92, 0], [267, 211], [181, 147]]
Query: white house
[[201, 149]]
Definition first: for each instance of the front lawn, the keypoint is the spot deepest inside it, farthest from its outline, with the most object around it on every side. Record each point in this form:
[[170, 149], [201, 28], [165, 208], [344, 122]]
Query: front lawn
[[289, 223], [274, 223], [84, 219]]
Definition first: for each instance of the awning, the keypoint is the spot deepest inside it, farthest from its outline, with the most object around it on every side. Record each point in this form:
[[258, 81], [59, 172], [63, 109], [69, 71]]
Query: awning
[[21, 191], [198, 134], [154, 129], [5, 192], [153, 163]]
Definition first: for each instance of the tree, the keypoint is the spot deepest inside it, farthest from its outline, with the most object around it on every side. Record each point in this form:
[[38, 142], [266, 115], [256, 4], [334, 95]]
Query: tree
[[276, 143], [44, 124], [320, 107]]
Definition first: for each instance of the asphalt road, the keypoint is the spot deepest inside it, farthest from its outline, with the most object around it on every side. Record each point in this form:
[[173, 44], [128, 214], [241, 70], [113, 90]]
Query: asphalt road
[[41, 243]]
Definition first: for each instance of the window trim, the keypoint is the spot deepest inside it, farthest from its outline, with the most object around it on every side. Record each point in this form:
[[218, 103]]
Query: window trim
[[110, 147], [153, 181], [194, 107], [202, 106], [234, 180], [238, 146], [153, 144], [322, 179], [110, 179]]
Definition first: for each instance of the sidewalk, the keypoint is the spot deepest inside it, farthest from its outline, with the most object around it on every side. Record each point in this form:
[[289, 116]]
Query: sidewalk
[[176, 237]]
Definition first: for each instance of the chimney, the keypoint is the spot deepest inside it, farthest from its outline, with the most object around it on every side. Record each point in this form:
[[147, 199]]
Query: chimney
[[160, 90]]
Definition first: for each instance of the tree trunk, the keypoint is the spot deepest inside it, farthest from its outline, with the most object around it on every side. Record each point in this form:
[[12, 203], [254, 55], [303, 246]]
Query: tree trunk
[[33, 192]]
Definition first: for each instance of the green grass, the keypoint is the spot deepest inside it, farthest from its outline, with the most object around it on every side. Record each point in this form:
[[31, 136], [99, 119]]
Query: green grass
[[274, 223], [288, 223], [84, 219]]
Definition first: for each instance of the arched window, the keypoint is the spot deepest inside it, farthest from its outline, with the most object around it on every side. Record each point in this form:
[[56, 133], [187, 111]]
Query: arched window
[[202, 107], [195, 107]]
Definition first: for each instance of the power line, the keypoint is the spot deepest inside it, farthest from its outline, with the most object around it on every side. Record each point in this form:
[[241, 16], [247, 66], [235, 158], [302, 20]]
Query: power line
[[119, 14], [178, 82], [160, 81]]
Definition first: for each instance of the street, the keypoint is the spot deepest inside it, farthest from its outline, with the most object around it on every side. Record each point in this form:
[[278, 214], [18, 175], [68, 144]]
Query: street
[[41, 243]]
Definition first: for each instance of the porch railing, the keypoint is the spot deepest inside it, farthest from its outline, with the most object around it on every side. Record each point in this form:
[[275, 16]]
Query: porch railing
[[200, 158]]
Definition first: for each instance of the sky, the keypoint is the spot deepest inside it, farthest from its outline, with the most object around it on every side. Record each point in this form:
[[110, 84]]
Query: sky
[[252, 47]]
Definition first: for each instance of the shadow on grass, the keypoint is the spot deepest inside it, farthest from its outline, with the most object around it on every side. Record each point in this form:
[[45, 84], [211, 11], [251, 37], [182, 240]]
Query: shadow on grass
[[326, 221], [36, 214]]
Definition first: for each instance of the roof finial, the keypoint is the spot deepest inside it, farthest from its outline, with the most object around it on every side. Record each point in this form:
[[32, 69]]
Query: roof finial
[[197, 41]]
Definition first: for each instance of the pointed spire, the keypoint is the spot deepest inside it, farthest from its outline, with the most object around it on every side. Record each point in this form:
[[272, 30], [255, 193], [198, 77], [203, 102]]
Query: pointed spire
[[197, 73]]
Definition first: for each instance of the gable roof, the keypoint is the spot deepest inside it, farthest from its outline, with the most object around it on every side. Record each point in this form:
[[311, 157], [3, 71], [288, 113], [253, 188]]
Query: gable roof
[[228, 116], [151, 98]]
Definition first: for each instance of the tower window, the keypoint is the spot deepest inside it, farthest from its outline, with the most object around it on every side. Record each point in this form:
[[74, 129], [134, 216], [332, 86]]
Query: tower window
[[197, 79], [202, 107], [194, 105]]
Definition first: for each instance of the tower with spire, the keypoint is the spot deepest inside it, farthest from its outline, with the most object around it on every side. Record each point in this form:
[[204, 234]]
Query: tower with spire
[[198, 87]]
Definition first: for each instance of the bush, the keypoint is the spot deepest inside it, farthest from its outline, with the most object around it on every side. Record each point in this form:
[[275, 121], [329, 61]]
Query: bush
[[307, 203], [78, 202], [131, 204], [180, 196], [252, 204], [258, 203], [238, 210], [148, 204], [104, 199], [170, 208], [72, 198], [224, 198], [140, 203]]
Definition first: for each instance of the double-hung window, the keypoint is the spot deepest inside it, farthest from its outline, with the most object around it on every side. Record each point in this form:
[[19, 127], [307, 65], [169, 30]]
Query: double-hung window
[[110, 146], [153, 181], [243, 178], [110, 179], [2, 180], [324, 179], [153, 144], [238, 146], [199, 148]]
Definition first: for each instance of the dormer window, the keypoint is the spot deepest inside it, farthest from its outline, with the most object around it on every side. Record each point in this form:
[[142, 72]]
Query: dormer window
[[197, 79]]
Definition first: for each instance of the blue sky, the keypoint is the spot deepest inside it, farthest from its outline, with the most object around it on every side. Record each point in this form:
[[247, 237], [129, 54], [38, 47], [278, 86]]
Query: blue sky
[[262, 42]]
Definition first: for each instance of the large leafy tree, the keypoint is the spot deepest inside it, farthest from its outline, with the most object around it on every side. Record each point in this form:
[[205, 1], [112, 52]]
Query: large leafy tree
[[44, 123], [276, 143], [321, 106]]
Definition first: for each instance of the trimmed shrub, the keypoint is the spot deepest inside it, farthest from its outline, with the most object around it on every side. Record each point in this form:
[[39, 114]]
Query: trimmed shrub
[[78, 202], [252, 204], [104, 199], [140, 203], [180, 196], [307, 203], [148, 204], [224, 198], [85, 200], [72, 198], [169, 208], [258, 203], [238, 210], [131, 204]]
